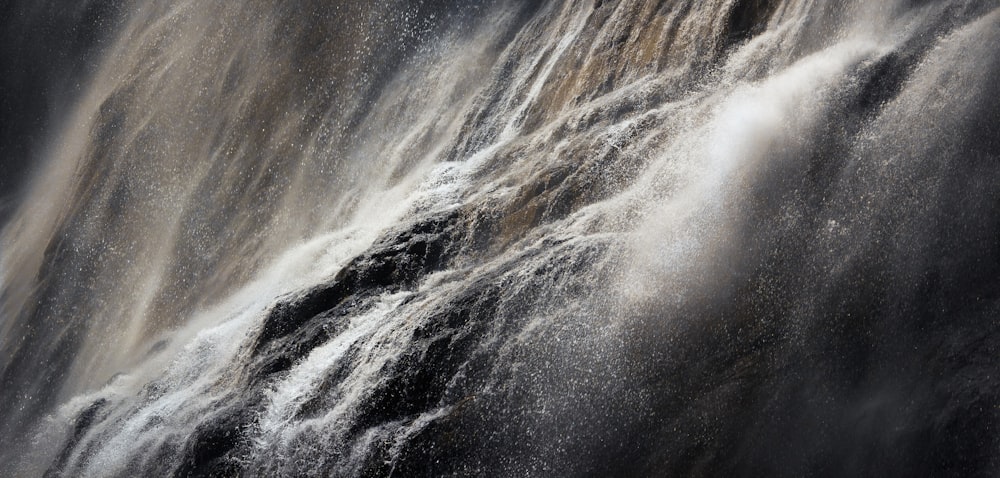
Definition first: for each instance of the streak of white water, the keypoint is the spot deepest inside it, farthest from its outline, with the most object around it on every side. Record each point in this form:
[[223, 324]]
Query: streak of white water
[[541, 74], [304, 380]]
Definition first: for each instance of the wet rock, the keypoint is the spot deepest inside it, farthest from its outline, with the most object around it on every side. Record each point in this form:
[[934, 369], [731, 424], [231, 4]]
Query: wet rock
[[81, 425], [397, 261], [748, 18], [208, 452]]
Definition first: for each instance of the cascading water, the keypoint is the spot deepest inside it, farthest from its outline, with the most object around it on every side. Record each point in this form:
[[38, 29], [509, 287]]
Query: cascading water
[[502, 238]]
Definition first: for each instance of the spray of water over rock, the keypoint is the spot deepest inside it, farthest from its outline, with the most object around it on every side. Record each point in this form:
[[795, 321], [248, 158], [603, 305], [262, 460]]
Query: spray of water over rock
[[502, 238]]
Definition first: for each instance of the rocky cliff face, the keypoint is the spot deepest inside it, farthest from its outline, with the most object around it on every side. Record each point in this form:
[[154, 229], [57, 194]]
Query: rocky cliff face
[[723, 238]]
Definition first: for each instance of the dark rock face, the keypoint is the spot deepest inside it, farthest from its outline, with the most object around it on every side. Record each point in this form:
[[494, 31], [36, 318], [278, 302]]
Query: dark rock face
[[81, 425], [208, 449], [748, 18]]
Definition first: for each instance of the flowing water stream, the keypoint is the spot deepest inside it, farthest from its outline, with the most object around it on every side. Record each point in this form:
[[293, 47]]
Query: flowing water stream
[[505, 238]]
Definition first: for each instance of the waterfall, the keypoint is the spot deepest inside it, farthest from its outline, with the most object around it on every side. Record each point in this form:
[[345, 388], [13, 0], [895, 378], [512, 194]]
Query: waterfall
[[501, 238]]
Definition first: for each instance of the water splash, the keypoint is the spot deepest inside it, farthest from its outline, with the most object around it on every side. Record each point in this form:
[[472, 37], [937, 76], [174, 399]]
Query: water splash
[[508, 238]]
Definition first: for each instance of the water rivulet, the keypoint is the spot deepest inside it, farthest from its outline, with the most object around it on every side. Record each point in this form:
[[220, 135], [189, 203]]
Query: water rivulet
[[500, 238]]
